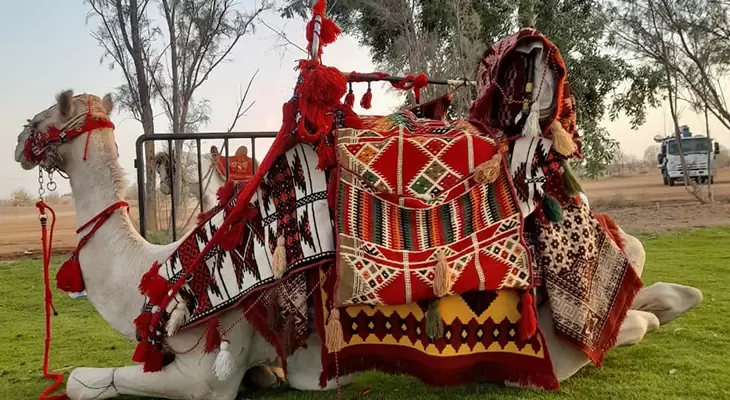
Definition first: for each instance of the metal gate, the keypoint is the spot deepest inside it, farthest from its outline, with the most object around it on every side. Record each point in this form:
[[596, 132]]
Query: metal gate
[[170, 139]]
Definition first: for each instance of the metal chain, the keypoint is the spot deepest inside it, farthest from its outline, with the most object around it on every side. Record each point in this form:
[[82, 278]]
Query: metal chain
[[51, 185], [41, 190]]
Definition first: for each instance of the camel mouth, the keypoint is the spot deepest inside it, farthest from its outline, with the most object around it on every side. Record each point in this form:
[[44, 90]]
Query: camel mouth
[[20, 153]]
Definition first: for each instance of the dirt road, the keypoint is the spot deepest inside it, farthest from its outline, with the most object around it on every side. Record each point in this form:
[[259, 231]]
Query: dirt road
[[639, 204]]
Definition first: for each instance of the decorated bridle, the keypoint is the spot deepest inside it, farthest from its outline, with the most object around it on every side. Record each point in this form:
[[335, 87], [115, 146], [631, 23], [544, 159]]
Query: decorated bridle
[[40, 148]]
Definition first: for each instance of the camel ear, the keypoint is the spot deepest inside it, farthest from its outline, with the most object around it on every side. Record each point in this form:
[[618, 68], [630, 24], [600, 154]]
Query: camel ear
[[108, 103], [65, 102]]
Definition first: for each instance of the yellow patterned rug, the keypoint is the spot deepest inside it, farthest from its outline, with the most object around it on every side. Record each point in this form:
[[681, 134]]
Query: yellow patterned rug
[[480, 342]]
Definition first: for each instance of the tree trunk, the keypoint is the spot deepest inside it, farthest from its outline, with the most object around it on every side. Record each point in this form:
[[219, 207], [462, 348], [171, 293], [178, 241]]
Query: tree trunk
[[709, 158]]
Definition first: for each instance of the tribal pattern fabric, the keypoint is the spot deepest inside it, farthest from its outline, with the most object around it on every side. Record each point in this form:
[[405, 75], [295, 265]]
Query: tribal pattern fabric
[[406, 195], [291, 201], [530, 158], [481, 341], [589, 281]]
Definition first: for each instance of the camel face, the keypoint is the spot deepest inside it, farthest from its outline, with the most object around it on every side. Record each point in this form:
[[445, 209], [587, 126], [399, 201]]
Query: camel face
[[162, 166], [68, 113]]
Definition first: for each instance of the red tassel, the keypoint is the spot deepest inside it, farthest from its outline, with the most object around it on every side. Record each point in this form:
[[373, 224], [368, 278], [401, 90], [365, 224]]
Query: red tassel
[[232, 239], [153, 361], [367, 99], [69, 277], [326, 156], [212, 335], [140, 352], [322, 85], [225, 193], [153, 285], [350, 99], [528, 322], [142, 322]]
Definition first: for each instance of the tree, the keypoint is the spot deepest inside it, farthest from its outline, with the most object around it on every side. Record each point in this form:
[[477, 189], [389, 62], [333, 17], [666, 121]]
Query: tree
[[167, 57], [446, 38], [688, 42], [651, 153]]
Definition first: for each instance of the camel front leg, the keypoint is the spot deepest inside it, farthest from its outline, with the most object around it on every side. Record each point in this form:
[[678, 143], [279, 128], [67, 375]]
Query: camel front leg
[[170, 383], [667, 300], [305, 366], [636, 325]]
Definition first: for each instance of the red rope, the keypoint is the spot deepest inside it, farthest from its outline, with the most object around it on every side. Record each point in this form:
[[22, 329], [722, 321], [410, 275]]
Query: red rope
[[412, 82], [47, 243], [100, 218]]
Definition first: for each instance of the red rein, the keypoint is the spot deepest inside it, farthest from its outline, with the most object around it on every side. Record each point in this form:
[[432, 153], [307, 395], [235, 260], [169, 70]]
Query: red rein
[[47, 243]]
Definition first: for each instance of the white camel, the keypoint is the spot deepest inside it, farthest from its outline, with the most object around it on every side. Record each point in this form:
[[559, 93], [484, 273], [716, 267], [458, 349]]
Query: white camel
[[116, 257], [211, 180]]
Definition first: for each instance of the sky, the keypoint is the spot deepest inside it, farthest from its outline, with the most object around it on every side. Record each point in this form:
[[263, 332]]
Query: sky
[[48, 48]]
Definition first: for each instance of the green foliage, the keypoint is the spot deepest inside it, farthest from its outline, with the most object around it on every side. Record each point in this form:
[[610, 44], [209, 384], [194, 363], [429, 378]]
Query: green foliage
[[21, 197], [580, 29]]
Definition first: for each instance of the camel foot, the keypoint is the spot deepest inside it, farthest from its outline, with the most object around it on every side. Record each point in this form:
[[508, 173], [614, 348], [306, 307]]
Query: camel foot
[[635, 326], [667, 300]]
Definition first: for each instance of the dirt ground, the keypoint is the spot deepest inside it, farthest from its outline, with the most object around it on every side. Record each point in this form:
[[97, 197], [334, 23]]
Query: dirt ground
[[638, 203]]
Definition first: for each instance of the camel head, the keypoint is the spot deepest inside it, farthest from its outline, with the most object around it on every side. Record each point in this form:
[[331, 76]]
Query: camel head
[[48, 139], [162, 166]]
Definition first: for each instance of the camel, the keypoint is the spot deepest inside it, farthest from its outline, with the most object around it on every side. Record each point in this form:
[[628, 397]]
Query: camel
[[210, 183], [116, 257]]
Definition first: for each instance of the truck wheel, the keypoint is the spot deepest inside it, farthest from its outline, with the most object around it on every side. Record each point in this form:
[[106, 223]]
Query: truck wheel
[[666, 181], [671, 182], [712, 180]]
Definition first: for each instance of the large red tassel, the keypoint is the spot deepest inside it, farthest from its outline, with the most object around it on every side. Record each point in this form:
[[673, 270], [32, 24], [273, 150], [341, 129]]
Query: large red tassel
[[326, 155], [153, 361], [142, 323], [153, 285], [367, 99], [225, 193], [140, 352], [528, 322], [69, 277], [212, 335]]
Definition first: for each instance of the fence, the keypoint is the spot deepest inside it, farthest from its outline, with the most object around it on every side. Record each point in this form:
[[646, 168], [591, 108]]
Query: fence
[[170, 138]]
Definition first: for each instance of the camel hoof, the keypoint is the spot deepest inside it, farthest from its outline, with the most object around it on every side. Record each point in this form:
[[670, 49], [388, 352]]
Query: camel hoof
[[667, 301], [263, 377]]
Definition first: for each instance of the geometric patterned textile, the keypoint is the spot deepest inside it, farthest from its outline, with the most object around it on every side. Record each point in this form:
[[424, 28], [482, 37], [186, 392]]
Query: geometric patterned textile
[[527, 167], [406, 194], [589, 281], [292, 200], [481, 341]]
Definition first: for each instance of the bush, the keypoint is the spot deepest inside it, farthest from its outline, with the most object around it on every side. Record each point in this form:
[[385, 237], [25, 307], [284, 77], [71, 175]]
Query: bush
[[21, 197]]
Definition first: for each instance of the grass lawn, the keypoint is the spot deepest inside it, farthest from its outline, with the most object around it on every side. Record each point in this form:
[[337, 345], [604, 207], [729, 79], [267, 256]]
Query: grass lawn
[[686, 359]]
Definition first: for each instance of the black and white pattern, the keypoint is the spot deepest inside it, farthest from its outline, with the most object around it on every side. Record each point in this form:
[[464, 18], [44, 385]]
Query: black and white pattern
[[526, 168]]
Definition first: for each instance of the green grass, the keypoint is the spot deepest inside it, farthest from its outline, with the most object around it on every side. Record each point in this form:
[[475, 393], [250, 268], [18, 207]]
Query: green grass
[[696, 347]]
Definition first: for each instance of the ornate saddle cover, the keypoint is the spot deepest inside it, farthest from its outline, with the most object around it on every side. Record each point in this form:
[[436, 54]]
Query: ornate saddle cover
[[240, 168], [407, 195]]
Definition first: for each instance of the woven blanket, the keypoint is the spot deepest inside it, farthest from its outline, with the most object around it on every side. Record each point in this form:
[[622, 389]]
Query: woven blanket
[[407, 195], [481, 341], [589, 281], [240, 168], [291, 202]]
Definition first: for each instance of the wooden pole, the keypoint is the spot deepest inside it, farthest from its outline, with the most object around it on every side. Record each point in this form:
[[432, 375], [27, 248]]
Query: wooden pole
[[710, 153]]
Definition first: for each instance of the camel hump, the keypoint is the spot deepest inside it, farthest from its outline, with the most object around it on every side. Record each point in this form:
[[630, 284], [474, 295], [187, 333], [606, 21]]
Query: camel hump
[[242, 151]]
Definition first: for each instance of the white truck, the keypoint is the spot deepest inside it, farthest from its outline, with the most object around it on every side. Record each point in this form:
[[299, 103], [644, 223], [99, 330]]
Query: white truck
[[699, 155]]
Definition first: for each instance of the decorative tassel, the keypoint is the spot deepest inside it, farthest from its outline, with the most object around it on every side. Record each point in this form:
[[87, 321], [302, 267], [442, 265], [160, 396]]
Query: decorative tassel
[[570, 182], [153, 285], [69, 277], [488, 171], [350, 98], [212, 335], [288, 335], [142, 323], [367, 99], [280, 257], [528, 322], [178, 315], [532, 124], [562, 142], [153, 360], [434, 323], [442, 276], [551, 208], [326, 157], [223, 365], [140, 352], [335, 339], [225, 193], [232, 239]]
